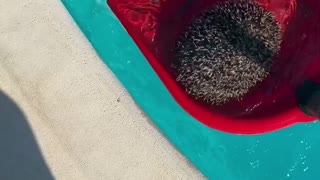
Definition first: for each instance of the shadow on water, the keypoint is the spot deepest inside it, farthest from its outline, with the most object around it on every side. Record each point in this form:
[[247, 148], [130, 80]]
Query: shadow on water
[[20, 156]]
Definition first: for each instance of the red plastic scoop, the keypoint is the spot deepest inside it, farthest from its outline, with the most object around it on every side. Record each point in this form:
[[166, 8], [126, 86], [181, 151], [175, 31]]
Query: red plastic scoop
[[154, 25]]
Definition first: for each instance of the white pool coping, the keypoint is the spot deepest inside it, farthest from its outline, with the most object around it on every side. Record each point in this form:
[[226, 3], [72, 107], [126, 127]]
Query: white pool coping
[[70, 99]]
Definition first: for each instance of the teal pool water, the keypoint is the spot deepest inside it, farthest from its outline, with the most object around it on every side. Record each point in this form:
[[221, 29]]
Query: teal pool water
[[287, 154]]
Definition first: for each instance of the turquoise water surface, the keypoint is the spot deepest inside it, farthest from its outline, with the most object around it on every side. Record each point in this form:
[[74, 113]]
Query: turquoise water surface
[[292, 153]]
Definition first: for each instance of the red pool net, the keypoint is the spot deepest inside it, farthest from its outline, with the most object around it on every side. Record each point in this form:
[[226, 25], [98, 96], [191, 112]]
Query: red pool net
[[155, 25]]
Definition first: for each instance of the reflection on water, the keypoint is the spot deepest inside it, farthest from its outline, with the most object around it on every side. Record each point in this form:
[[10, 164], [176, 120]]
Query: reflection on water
[[143, 14]]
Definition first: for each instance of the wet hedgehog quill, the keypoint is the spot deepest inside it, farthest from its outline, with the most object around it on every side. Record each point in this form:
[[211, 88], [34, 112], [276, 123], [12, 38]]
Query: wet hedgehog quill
[[226, 51]]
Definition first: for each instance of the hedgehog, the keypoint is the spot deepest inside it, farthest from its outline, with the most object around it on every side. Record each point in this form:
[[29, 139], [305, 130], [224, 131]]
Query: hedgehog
[[225, 51]]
